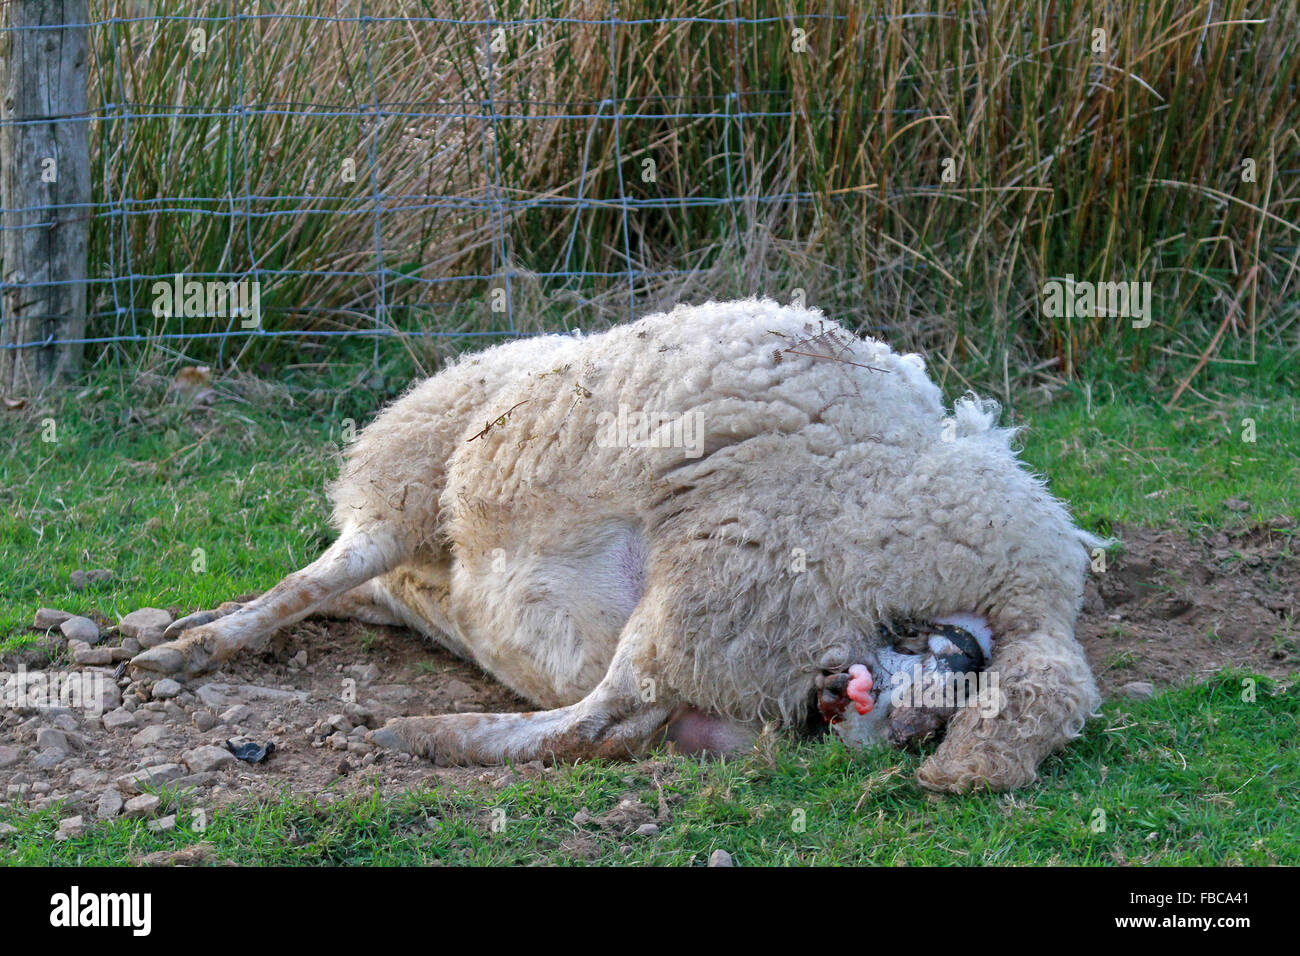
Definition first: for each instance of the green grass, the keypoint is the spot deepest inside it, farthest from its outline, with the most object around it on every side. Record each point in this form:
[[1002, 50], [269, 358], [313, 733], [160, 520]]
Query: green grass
[[1130, 462], [1195, 776]]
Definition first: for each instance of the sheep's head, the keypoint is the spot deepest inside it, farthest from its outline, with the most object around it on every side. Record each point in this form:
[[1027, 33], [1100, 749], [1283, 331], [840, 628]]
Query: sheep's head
[[922, 672]]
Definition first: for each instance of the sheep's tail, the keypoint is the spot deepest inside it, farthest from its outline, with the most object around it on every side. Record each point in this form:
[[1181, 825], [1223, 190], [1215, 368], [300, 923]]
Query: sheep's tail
[[976, 416], [1091, 541]]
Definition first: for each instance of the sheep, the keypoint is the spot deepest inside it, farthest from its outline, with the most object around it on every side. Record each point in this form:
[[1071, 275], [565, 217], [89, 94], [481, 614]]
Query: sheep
[[680, 529]]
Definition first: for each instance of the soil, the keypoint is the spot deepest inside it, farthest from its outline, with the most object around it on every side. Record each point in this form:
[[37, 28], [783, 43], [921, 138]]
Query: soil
[[1168, 609], [1171, 609]]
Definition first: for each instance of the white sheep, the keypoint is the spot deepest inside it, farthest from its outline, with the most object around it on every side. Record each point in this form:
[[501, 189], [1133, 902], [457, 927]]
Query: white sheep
[[678, 528]]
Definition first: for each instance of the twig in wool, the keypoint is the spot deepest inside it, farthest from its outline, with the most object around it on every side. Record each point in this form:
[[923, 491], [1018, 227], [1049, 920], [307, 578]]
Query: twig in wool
[[500, 420]]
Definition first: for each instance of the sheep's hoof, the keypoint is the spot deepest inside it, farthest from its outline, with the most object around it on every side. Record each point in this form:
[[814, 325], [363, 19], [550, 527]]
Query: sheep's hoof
[[182, 658], [408, 735], [383, 737], [199, 618]]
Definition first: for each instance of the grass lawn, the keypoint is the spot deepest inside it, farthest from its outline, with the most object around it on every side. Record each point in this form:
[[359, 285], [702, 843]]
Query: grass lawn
[[152, 491], [1195, 776]]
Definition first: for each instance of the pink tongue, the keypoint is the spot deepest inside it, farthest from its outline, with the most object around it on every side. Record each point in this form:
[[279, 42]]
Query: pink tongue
[[860, 684]]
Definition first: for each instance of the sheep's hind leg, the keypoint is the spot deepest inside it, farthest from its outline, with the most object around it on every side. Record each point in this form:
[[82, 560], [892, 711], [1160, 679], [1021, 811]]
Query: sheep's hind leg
[[201, 640], [362, 603]]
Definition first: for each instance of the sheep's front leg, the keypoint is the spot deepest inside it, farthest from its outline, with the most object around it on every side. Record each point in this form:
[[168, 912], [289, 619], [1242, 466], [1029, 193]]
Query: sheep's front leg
[[618, 718], [1040, 693], [201, 640], [611, 722]]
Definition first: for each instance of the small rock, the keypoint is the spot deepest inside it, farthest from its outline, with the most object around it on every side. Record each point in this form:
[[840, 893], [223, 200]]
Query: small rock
[[151, 736], [49, 737], [88, 656], [720, 858], [166, 689], [9, 756], [118, 719], [87, 779], [1138, 689], [236, 715], [203, 720], [149, 776], [145, 805], [299, 659], [7, 828], [364, 673], [219, 697], [198, 781], [49, 758], [1236, 504], [337, 741], [163, 824], [146, 625], [48, 617], [70, 827], [648, 830], [457, 689], [208, 758], [80, 629], [581, 818], [110, 804], [339, 722], [359, 712]]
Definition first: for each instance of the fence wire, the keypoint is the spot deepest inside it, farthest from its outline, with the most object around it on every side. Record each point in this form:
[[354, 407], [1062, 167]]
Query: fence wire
[[134, 216]]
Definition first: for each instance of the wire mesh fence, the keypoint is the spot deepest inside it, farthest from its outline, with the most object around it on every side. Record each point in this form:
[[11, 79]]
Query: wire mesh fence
[[424, 169]]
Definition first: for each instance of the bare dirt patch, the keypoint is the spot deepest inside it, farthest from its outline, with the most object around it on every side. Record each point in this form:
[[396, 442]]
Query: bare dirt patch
[[1169, 609]]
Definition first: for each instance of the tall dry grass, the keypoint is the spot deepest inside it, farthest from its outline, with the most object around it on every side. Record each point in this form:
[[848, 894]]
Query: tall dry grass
[[817, 168]]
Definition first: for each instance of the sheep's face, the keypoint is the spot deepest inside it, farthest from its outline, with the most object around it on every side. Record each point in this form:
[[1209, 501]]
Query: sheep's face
[[922, 673]]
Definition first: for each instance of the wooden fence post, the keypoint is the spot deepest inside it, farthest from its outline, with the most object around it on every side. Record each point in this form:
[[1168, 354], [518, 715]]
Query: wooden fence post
[[43, 165]]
